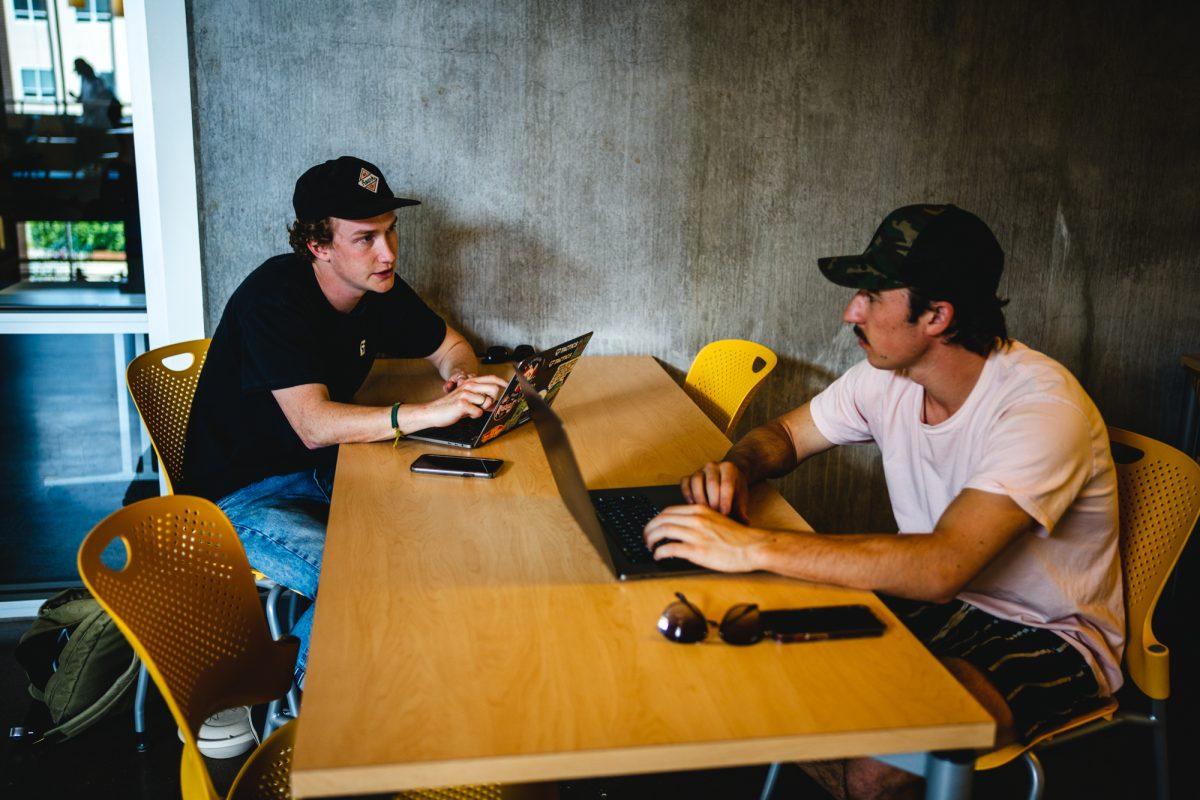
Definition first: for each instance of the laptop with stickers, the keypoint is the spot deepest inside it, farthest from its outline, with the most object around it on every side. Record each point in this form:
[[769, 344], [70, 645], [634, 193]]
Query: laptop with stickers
[[546, 372]]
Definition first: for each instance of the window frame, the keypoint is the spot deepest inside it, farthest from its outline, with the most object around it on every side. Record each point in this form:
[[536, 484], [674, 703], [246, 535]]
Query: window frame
[[41, 76], [92, 13], [27, 10]]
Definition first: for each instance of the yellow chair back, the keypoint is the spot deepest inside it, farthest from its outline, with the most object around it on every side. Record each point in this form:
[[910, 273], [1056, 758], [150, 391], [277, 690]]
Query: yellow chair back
[[1159, 490], [724, 377], [163, 397], [267, 776], [186, 601]]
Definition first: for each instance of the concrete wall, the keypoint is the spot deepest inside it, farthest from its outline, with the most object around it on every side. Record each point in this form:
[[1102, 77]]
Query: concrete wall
[[668, 173]]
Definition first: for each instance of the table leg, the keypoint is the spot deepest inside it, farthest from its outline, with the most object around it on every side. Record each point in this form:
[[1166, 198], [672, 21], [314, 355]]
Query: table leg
[[948, 775]]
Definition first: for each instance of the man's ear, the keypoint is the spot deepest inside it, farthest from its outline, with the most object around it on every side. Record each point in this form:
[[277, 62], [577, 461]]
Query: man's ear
[[319, 251], [942, 315]]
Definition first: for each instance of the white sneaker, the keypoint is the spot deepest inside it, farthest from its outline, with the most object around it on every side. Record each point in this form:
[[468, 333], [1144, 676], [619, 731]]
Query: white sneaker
[[226, 734]]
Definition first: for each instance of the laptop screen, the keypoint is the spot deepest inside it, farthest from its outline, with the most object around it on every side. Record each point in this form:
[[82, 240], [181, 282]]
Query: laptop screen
[[546, 371], [565, 469]]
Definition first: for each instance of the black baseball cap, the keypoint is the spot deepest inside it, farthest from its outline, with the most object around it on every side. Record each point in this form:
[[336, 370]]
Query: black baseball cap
[[347, 188], [939, 248]]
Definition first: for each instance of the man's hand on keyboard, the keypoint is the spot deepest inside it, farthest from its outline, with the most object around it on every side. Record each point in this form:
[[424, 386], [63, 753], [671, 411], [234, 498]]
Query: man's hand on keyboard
[[457, 379], [719, 485], [704, 537], [472, 398]]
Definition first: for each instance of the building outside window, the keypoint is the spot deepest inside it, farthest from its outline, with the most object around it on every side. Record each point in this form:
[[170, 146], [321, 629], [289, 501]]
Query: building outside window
[[50, 35]]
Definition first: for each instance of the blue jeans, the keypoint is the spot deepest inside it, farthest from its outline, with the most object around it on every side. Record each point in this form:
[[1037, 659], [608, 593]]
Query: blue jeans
[[281, 522]]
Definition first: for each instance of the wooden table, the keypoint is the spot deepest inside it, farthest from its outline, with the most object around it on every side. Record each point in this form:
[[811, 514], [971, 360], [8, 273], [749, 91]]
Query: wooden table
[[467, 632]]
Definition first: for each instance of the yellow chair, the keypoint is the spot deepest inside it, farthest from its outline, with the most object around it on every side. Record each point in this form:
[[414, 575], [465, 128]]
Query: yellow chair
[[724, 376], [1159, 497], [186, 601], [163, 396], [268, 773]]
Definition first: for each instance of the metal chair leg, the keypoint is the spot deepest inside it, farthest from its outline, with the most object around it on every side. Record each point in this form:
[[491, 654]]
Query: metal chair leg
[[292, 610], [139, 709], [769, 783], [1037, 776], [1158, 716], [276, 718], [272, 608]]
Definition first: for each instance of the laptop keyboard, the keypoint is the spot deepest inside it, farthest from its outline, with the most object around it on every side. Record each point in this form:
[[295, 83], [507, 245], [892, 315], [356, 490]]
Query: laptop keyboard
[[465, 430], [626, 516]]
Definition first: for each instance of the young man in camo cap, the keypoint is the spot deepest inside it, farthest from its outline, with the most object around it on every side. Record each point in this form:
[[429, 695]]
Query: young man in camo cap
[[999, 474]]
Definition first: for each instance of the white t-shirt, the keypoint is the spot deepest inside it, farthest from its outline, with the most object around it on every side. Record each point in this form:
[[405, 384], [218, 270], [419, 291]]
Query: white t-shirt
[[1030, 432]]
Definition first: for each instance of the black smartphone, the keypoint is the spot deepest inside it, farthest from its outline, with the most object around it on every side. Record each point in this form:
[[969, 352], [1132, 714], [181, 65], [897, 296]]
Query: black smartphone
[[823, 622], [463, 466]]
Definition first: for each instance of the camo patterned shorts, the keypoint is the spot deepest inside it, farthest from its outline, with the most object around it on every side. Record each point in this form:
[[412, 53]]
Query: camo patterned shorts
[[1044, 680]]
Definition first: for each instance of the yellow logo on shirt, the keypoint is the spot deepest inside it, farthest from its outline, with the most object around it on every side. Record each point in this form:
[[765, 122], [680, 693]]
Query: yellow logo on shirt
[[362, 348]]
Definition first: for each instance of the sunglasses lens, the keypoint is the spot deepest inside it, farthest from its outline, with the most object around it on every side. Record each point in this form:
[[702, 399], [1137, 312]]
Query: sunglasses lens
[[741, 625], [680, 623], [497, 354]]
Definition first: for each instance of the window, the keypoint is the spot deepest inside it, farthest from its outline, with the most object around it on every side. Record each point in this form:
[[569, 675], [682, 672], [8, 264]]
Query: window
[[29, 9], [94, 11], [81, 251], [37, 84]]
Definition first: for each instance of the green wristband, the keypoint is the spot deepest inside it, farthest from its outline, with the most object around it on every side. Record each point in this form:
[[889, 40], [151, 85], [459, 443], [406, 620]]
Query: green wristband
[[395, 422]]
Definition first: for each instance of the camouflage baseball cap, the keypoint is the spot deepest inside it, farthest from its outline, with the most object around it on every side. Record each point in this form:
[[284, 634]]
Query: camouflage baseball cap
[[932, 247]]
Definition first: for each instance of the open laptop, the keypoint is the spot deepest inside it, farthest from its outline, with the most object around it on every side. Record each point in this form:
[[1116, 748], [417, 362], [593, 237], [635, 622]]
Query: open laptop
[[547, 371], [613, 519]]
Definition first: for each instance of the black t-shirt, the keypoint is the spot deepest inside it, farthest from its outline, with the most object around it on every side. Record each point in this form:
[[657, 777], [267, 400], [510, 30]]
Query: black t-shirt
[[278, 330]]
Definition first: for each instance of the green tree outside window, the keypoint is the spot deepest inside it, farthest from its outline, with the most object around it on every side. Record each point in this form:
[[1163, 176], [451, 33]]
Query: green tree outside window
[[86, 237]]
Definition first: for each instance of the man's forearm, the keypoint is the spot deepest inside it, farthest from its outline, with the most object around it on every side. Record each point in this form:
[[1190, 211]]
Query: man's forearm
[[765, 452], [328, 423], [459, 357], [902, 565]]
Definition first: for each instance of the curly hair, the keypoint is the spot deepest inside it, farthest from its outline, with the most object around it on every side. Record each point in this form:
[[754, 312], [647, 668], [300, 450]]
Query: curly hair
[[978, 323], [301, 233]]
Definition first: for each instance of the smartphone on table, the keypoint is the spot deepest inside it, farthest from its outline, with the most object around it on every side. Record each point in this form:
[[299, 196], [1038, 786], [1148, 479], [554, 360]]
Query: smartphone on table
[[824, 622], [462, 466]]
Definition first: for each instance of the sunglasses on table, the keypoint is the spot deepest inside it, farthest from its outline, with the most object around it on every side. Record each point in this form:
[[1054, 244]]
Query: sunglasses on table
[[683, 622], [745, 623]]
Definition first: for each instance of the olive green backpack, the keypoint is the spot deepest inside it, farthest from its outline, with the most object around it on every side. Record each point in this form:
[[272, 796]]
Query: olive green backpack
[[84, 678]]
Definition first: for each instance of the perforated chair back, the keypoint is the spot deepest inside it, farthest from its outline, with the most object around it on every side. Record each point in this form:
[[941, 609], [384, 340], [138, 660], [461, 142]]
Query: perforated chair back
[[186, 601], [724, 377], [163, 397], [267, 776], [1159, 498]]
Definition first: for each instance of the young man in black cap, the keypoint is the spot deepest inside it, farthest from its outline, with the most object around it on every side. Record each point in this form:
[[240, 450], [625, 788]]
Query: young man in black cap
[[994, 455], [295, 342]]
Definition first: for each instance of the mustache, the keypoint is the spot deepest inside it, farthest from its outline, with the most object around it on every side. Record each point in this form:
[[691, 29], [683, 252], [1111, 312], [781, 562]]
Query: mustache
[[858, 332]]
